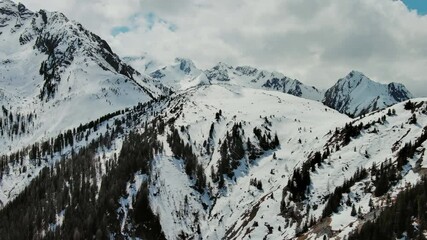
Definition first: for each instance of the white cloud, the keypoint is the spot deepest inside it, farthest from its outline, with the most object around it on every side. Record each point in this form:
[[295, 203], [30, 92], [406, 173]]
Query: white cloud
[[316, 41]]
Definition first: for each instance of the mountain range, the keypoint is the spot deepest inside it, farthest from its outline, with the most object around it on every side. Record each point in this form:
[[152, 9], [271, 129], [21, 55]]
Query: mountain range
[[353, 95], [96, 147]]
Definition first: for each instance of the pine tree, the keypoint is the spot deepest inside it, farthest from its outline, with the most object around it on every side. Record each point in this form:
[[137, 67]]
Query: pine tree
[[353, 211], [413, 119]]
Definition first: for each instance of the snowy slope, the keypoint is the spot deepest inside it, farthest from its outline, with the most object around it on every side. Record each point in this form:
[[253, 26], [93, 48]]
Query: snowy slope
[[356, 94], [376, 145], [242, 211], [291, 117], [60, 73]]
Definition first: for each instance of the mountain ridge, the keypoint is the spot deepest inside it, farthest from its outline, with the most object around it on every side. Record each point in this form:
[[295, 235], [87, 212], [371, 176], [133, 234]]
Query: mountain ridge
[[340, 96]]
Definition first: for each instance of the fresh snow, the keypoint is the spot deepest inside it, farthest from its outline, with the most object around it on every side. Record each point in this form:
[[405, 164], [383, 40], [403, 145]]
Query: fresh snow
[[85, 92], [90, 87]]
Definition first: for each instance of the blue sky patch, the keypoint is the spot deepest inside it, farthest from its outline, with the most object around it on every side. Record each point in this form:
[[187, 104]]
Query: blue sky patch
[[419, 5], [151, 19], [120, 29]]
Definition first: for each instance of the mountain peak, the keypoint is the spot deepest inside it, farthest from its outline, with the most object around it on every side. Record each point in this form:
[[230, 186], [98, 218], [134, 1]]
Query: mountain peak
[[354, 79], [355, 73], [9, 10], [50, 63], [251, 77], [399, 92], [180, 75], [247, 70], [357, 94], [12, 6], [7, 4], [186, 65], [222, 65], [219, 72]]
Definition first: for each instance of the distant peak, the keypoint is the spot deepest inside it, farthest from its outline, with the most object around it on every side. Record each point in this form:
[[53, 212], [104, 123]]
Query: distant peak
[[12, 6], [357, 94], [184, 60], [8, 7], [355, 74], [7, 3], [22, 8], [222, 65], [247, 70], [10, 10], [354, 79], [395, 84], [186, 65], [399, 91]]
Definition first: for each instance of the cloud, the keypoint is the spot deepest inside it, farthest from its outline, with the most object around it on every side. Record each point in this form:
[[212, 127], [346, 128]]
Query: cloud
[[316, 41]]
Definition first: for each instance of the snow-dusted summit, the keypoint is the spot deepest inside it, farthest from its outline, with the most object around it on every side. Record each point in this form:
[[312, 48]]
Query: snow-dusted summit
[[144, 63], [247, 76], [180, 75], [356, 94], [61, 74]]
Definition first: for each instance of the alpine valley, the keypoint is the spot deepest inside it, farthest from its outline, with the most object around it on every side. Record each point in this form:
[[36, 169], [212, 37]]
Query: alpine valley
[[96, 147]]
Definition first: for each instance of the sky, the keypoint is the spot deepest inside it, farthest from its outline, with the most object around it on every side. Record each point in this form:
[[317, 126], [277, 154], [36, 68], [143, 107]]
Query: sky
[[419, 5], [314, 41]]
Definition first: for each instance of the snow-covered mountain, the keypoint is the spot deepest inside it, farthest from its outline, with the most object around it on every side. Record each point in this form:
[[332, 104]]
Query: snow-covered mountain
[[181, 75], [143, 63], [353, 95], [356, 94], [224, 166], [92, 149], [247, 76], [55, 74]]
